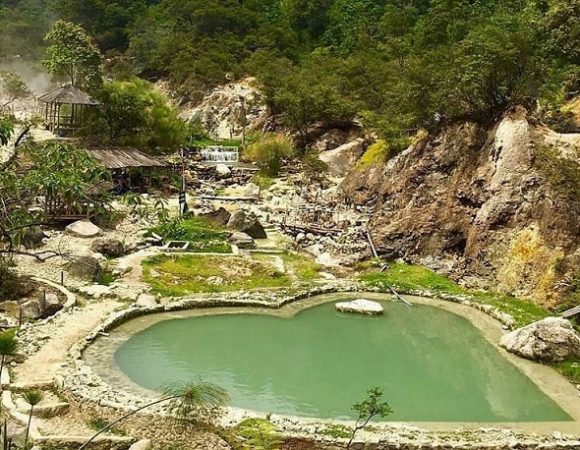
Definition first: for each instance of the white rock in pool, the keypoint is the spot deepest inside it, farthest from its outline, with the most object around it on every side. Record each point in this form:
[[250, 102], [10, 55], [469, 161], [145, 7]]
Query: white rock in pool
[[360, 306]]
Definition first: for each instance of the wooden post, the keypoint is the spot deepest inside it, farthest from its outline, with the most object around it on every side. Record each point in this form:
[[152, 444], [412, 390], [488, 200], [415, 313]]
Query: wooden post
[[62, 278]]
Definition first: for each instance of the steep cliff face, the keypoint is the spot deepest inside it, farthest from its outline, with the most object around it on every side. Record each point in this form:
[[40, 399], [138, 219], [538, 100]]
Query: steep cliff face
[[497, 207]]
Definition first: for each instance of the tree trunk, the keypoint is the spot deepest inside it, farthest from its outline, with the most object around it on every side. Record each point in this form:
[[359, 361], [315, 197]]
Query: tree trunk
[[28, 427], [2, 368]]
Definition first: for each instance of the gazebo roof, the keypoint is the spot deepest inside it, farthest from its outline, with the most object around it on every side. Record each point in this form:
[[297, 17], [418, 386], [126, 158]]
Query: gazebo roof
[[68, 94]]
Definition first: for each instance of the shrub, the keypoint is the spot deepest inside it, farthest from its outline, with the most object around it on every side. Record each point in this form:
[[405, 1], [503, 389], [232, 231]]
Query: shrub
[[270, 152], [314, 168], [10, 283]]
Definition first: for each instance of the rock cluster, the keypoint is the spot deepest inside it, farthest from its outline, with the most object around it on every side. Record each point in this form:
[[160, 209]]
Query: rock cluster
[[552, 339]]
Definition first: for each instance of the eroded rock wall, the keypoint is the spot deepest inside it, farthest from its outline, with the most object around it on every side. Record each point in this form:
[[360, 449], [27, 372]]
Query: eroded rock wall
[[495, 206]]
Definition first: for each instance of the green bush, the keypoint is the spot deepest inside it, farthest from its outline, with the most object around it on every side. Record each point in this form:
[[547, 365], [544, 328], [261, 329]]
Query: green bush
[[270, 152], [10, 283]]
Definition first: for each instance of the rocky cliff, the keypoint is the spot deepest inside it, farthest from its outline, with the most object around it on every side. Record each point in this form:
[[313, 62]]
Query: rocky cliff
[[495, 206]]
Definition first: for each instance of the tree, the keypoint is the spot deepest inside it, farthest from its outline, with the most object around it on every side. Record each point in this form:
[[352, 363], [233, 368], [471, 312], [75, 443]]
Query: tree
[[6, 129], [12, 88], [54, 171], [133, 113], [368, 409], [71, 54], [8, 347], [187, 402], [33, 398]]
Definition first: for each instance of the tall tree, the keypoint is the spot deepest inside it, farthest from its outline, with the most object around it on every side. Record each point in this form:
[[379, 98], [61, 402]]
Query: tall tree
[[72, 55]]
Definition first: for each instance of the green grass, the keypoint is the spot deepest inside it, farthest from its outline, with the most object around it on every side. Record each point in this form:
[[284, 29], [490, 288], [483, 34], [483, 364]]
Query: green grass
[[570, 369], [98, 423], [189, 274], [258, 434], [407, 277], [264, 181], [337, 431], [204, 235]]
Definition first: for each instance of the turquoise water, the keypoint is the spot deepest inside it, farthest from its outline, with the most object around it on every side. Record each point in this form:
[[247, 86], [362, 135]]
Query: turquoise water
[[433, 365]]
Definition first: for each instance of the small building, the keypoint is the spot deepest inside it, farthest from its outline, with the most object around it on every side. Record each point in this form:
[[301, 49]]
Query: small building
[[130, 168], [65, 109]]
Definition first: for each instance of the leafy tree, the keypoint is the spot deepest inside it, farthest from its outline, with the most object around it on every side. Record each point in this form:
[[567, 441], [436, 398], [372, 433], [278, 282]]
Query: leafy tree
[[33, 398], [187, 403], [562, 24], [56, 170], [369, 408], [8, 344], [133, 113], [6, 129], [72, 55], [12, 88]]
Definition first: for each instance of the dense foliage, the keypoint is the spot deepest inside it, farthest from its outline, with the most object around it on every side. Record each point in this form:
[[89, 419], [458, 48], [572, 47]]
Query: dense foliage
[[396, 65]]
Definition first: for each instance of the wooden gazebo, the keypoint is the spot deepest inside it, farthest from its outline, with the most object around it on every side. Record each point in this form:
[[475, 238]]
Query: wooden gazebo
[[65, 109]]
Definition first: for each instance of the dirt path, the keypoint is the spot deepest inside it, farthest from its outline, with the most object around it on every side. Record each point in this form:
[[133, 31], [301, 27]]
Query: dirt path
[[65, 331]]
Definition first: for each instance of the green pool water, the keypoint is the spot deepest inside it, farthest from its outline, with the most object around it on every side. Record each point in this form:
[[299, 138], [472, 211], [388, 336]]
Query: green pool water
[[433, 365]]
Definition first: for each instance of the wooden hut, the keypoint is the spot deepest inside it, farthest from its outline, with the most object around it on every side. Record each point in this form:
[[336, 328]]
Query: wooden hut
[[128, 166], [65, 109]]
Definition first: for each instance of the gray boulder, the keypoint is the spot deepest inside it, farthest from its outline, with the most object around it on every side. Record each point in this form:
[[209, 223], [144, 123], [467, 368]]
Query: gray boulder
[[223, 171], [552, 339], [32, 238], [86, 268], [242, 240], [109, 247], [31, 309], [50, 305], [146, 301], [220, 216], [247, 223], [83, 229]]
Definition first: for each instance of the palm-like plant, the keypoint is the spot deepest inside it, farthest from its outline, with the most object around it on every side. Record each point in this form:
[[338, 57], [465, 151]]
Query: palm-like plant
[[33, 398], [8, 347], [186, 402]]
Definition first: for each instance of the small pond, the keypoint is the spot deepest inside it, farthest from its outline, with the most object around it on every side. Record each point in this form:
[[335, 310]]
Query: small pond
[[433, 365]]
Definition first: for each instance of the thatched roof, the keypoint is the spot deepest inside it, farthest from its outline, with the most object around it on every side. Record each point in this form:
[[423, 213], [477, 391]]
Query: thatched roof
[[68, 94], [122, 158]]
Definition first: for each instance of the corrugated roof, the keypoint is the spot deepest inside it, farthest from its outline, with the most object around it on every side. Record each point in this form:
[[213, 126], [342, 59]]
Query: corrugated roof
[[68, 94], [123, 158]]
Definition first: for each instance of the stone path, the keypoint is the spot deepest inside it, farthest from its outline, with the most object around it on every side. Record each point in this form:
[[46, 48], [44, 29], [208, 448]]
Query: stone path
[[66, 330]]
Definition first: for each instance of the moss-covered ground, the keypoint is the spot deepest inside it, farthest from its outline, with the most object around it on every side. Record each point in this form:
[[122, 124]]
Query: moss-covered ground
[[181, 275]]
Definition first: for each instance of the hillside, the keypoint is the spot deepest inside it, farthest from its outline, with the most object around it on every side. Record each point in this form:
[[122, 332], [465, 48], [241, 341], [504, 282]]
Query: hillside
[[494, 206]]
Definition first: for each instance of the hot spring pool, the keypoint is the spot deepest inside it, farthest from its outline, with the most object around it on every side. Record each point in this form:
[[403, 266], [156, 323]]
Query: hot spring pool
[[433, 365]]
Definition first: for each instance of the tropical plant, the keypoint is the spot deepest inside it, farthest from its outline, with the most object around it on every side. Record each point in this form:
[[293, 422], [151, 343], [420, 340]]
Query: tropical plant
[[369, 408], [8, 347], [33, 398], [187, 403]]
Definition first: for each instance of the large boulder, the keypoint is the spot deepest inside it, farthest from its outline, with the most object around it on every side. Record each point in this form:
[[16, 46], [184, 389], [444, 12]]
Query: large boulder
[[31, 309], [220, 216], [109, 247], [341, 159], [83, 229], [242, 240], [552, 339], [223, 171], [85, 267], [32, 238], [360, 306], [50, 305], [247, 223]]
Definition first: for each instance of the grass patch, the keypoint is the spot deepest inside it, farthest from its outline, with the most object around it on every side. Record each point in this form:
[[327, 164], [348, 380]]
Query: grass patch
[[300, 267], [176, 276], [99, 423], [202, 234], [570, 369], [263, 181], [408, 277], [258, 434], [337, 431]]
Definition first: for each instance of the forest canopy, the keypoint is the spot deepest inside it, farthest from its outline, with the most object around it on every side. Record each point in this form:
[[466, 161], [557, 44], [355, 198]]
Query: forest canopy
[[393, 64]]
